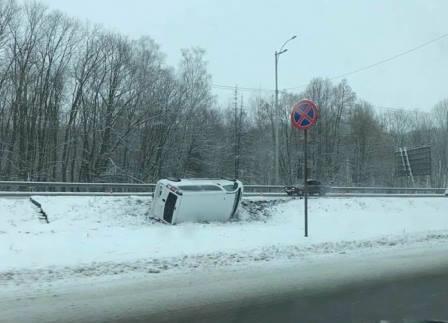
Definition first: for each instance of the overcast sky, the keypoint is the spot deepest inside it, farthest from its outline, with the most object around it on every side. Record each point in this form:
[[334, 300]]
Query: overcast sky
[[334, 37]]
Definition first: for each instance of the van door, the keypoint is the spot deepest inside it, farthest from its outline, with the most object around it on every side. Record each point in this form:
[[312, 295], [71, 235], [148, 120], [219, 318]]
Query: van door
[[159, 200], [170, 206]]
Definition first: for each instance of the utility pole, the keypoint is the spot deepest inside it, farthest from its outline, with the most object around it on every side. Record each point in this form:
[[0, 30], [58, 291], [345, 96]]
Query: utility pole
[[236, 148], [276, 125], [238, 139], [277, 114]]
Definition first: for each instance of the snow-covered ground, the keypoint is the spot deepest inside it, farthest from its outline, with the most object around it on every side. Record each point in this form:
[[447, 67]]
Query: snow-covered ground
[[95, 236]]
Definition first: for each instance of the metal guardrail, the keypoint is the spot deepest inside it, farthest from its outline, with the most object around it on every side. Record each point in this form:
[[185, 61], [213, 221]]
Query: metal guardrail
[[20, 186], [36, 193], [11, 194], [384, 195], [14, 188], [104, 187], [246, 194], [396, 190]]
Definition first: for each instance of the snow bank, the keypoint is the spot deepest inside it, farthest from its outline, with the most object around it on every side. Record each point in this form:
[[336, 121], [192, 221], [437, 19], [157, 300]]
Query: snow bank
[[91, 236]]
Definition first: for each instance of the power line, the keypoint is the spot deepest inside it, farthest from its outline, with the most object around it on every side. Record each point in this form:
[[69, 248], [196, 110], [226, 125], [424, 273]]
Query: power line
[[376, 107], [361, 69], [365, 68], [398, 109], [245, 89]]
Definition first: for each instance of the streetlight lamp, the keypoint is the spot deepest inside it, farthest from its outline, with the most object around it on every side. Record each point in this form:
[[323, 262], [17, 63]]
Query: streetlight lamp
[[277, 117]]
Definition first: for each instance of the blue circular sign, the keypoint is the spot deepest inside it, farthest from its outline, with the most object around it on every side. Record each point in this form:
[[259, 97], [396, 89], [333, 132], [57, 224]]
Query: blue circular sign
[[304, 114]]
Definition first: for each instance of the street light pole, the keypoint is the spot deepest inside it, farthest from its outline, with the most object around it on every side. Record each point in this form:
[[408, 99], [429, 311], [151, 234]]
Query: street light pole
[[276, 125], [277, 114]]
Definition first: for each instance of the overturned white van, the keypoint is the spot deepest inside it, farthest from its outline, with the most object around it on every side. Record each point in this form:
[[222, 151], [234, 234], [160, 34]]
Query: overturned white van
[[196, 200]]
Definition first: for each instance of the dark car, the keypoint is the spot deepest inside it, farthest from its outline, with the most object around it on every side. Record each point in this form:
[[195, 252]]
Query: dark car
[[314, 188]]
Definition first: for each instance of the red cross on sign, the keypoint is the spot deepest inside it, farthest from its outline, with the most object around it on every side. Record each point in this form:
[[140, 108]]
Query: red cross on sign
[[304, 114]]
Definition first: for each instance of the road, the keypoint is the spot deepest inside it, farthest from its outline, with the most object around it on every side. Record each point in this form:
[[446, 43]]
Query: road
[[414, 298], [410, 284]]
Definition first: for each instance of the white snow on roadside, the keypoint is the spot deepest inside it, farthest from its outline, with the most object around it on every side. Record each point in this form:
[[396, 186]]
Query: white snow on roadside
[[94, 236]]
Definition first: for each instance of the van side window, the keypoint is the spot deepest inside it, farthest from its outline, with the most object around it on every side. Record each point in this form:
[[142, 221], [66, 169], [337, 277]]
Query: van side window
[[210, 188], [199, 188], [230, 188], [190, 188]]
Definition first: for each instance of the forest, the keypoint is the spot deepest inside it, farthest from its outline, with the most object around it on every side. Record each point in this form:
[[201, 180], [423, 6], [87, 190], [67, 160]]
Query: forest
[[79, 103]]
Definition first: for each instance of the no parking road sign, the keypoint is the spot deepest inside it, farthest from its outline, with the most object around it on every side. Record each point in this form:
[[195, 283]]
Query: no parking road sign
[[304, 114]]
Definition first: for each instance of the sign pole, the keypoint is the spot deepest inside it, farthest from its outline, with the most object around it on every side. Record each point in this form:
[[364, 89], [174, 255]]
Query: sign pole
[[305, 185], [303, 116]]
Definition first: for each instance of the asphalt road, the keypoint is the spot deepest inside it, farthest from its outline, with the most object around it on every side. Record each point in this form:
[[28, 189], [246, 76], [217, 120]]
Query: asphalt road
[[412, 299], [400, 286]]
